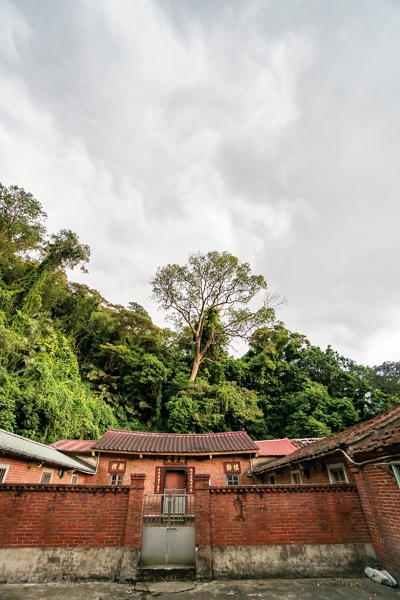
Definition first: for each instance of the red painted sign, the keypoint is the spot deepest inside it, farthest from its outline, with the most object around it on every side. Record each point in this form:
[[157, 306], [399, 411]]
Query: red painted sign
[[232, 467], [117, 466]]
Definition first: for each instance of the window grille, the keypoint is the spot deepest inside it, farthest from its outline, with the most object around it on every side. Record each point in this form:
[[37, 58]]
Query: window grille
[[116, 479], [232, 479]]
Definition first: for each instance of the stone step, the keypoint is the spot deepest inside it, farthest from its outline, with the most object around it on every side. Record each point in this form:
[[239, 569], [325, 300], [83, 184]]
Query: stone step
[[166, 573]]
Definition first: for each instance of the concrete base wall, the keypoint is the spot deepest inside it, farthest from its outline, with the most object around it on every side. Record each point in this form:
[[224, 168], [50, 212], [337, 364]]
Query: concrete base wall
[[19, 565], [291, 561]]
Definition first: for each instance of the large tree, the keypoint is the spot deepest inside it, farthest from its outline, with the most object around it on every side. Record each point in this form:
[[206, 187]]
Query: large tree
[[210, 295]]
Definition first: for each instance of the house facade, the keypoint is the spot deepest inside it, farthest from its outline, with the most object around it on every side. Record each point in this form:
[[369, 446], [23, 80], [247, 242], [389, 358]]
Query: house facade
[[25, 461], [169, 460]]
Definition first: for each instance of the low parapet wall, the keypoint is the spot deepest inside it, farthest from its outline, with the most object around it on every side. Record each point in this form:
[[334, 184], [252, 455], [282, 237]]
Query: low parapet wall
[[281, 531], [55, 532]]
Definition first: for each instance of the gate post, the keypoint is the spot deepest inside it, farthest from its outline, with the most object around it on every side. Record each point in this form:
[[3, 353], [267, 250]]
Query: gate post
[[133, 529], [202, 503]]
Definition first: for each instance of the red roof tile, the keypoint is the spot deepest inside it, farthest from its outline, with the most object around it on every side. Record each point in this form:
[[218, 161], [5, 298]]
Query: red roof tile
[[175, 443], [350, 438], [74, 446], [275, 447]]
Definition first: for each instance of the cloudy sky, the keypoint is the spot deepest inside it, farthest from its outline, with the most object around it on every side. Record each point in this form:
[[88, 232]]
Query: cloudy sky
[[269, 129]]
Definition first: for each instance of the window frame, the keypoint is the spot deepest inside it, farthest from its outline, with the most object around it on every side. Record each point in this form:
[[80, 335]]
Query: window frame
[[337, 466], [46, 472], [6, 469], [396, 473], [272, 477], [296, 472], [73, 476], [237, 477], [119, 479]]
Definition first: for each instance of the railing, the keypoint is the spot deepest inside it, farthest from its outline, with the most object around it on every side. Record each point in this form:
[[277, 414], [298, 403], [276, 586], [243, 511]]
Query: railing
[[168, 509]]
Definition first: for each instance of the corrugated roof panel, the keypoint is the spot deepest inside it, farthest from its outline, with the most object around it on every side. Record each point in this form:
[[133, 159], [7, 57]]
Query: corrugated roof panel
[[21, 446], [275, 447], [175, 443], [76, 446]]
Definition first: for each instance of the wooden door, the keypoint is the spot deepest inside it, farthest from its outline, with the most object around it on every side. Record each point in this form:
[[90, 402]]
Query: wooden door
[[175, 481]]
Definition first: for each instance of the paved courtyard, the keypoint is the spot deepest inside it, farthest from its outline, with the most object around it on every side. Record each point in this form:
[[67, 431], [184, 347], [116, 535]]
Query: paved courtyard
[[277, 589]]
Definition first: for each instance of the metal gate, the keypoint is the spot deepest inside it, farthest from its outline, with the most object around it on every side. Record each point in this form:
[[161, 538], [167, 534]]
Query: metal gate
[[168, 534]]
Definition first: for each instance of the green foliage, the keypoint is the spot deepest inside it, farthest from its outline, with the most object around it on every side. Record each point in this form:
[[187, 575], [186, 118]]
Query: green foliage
[[73, 364], [203, 408], [209, 295]]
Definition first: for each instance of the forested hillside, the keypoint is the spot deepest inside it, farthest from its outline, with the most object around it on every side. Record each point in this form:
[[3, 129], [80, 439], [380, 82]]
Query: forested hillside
[[72, 364]]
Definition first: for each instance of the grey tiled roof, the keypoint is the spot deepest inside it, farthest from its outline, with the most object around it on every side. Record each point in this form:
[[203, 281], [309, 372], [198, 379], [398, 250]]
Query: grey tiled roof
[[11, 443], [180, 443]]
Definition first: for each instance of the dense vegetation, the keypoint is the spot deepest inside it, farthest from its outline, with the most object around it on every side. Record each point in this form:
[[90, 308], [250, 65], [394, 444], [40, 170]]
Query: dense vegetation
[[72, 364]]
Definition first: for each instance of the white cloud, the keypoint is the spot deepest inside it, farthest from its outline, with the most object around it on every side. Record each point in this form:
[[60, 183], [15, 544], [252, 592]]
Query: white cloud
[[155, 129]]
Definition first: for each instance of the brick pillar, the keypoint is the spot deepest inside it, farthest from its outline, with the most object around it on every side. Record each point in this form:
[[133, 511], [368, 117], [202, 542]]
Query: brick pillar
[[133, 529], [202, 509]]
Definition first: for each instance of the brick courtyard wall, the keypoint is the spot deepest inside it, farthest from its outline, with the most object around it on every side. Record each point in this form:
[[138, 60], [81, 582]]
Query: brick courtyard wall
[[380, 497], [258, 515], [34, 516]]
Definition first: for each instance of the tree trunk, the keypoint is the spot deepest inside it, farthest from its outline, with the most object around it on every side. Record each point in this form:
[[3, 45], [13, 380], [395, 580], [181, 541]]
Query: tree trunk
[[195, 368]]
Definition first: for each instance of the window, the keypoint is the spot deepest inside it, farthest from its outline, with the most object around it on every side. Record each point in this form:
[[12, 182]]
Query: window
[[3, 472], [296, 477], [396, 473], [272, 480], [74, 480], [232, 479], [116, 479], [337, 473], [46, 477]]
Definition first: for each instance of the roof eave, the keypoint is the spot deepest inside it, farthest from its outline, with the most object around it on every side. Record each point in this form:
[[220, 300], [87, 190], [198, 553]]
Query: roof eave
[[165, 453]]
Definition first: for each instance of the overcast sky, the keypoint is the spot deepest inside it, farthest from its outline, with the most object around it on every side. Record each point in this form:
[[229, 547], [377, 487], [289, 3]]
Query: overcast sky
[[268, 129]]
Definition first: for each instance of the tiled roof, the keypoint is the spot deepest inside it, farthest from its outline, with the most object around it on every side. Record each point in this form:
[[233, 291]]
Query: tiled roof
[[74, 446], [301, 442], [384, 440], [11, 443], [175, 443], [275, 447], [351, 438]]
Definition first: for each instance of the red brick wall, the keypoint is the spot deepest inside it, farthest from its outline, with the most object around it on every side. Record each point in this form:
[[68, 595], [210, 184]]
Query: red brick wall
[[22, 471], [214, 467], [318, 471], [380, 496], [287, 515], [65, 516]]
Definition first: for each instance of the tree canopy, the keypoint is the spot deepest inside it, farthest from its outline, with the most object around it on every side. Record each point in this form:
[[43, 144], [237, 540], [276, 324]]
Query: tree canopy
[[210, 295], [73, 364]]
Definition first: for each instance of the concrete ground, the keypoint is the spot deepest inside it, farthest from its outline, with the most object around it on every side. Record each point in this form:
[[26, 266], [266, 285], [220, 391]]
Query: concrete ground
[[271, 589]]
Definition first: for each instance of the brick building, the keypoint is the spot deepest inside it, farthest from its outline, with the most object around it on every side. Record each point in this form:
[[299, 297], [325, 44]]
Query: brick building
[[169, 460], [26, 461], [366, 455]]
